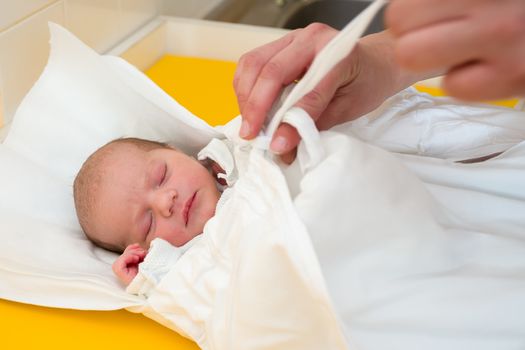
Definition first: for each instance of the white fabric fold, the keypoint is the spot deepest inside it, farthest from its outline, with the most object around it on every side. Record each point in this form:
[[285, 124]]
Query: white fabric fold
[[310, 139], [415, 123], [221, 153]]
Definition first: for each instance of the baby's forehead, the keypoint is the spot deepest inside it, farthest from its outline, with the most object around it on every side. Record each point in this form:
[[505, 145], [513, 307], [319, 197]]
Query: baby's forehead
[[124, 153], [122, 147], [119, 154], [125, 146], [127, 153], [133, 148]]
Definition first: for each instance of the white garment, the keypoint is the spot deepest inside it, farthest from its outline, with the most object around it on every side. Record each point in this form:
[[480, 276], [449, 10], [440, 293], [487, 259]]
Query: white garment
[[464, 288], [251, 280], [402, 266]]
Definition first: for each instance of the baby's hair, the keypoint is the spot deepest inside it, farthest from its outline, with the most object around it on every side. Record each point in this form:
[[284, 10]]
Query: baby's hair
[[89, 179]]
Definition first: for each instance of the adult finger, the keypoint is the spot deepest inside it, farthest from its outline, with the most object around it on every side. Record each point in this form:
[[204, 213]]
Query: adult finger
[[440, 46], [289, 157], [478, 81], [317, 100], [251, 63], [314, 103], [402, 16], [285, 139], [253, 110], [286, 66]]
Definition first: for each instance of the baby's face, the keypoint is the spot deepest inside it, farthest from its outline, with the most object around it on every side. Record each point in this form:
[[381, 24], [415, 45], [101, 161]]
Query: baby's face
[[160, 193]]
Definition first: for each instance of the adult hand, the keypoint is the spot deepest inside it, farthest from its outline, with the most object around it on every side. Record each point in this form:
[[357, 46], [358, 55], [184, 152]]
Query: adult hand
[[480, 43], [357, 85]]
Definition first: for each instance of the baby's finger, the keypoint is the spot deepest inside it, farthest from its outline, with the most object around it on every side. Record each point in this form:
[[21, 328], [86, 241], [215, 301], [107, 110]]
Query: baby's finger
[[140, 255], [132, 271], [118, 266], [131, 248], [133, 259], [138, 250]]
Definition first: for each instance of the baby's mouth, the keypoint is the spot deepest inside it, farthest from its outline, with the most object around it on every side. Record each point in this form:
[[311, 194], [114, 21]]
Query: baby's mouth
[[187, 208]]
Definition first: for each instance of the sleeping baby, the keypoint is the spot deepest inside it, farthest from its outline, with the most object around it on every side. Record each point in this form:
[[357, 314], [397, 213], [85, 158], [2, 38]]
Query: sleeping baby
[[415, 259], [131, 191]]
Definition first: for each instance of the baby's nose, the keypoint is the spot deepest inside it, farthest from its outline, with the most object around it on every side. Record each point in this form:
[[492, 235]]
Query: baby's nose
[[165, 201]]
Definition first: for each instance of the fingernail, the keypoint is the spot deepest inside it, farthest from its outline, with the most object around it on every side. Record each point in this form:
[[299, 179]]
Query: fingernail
[[279, 145], [245, 129]]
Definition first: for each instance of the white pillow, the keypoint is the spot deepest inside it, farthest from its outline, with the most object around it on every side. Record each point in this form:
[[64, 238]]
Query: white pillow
[[81, 101]]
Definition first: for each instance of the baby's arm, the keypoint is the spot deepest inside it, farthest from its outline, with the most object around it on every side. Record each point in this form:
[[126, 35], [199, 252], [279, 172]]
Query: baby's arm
[[126, 266]]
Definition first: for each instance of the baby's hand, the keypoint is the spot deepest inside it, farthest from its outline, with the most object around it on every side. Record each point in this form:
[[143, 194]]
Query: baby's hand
[[126, 266]]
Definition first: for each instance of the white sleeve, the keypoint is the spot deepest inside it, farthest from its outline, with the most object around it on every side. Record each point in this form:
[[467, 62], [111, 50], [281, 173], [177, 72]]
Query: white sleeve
[[159, 260]]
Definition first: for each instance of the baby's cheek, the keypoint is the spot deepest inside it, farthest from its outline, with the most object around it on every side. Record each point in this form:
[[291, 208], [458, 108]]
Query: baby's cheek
[[176, 237], [213, 199]]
